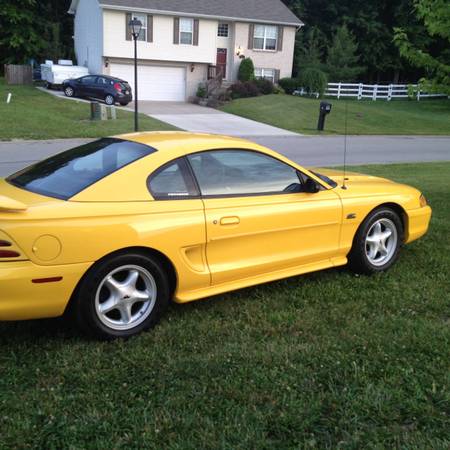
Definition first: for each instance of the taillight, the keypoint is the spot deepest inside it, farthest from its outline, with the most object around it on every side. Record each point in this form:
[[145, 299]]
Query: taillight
[[118, 87], [8, 254]]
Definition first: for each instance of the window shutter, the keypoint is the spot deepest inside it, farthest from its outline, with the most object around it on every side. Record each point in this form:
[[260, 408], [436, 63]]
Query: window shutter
[[127, 26], [196, 31], [280, 39], [276, 77], [251, 34], [149, 28], [176, 30]]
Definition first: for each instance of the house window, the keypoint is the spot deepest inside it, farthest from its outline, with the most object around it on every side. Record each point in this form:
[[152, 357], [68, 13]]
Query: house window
[[265, 37], [268, 74], [143, 19], [222, 31], [186, 31]]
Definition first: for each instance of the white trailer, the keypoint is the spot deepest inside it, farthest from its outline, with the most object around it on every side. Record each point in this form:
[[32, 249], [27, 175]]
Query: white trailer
[[55, 74]]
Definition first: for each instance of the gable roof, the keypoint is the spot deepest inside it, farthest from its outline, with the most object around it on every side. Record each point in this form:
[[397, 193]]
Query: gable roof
[[267, 11]]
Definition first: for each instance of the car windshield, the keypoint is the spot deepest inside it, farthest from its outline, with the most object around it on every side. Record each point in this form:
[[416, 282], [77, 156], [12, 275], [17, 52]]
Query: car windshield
[[68, 173], [328, 180]]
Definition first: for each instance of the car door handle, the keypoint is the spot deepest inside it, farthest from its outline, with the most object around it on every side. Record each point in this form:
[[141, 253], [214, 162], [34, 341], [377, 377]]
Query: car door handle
[[232, 220]]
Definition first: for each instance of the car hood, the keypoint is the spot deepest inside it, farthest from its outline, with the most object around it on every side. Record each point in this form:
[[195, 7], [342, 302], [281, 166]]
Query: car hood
[[351, 178]]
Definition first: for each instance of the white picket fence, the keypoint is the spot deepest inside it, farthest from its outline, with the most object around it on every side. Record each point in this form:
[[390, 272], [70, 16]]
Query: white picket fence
[[375, 91]]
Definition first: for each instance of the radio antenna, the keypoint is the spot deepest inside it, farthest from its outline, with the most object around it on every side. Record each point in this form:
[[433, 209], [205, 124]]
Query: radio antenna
[[345, 145]]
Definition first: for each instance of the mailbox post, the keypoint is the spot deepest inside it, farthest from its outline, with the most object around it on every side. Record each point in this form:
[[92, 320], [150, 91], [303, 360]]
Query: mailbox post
[[325, 108]]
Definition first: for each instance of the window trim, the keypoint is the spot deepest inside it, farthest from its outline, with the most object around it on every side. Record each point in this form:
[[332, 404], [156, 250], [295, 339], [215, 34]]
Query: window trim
[[144, 25], [263, 77], [258, 194], [228, 30], [187, 174], [264, 38], [190, 32]]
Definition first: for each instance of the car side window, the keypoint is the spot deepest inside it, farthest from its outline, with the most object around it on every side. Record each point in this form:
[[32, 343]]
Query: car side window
[[242, 172], [88, 80], [172, 181], [102, 81]]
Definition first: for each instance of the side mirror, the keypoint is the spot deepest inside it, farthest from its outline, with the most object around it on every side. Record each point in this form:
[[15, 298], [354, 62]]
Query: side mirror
[[310, 186]]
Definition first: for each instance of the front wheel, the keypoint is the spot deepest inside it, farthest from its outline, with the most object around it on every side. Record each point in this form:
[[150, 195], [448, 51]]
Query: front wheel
[[109, 100], [376, 245], [69, 92], [122, 296]]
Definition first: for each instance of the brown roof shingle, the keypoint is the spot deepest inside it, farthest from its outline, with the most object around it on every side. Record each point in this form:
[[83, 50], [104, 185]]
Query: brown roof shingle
[[247, 10]]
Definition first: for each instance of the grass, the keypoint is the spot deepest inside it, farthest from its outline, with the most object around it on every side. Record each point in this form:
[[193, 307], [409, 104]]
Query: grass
[[428, 117], [33, 114], [327, 360]]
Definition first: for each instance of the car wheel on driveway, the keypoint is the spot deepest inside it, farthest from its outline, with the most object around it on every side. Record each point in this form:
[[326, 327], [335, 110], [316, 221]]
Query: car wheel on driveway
[[376, 245], [109, 100], [69, 92], [121, 296]]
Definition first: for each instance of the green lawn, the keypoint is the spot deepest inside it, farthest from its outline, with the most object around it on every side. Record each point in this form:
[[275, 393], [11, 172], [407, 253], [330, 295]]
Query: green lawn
[[33, 114], [327, 360], [428, 117]]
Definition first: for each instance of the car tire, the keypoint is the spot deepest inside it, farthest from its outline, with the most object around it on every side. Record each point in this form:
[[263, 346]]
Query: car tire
[[69, 91], [123, 104], [376, 245], [122, 296], [110, 100]]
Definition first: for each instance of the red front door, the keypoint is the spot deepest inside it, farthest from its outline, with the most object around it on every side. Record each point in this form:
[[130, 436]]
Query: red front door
[[221, 61]]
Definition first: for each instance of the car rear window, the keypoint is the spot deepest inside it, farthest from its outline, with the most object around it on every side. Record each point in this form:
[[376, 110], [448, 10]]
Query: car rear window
[[68, 173]]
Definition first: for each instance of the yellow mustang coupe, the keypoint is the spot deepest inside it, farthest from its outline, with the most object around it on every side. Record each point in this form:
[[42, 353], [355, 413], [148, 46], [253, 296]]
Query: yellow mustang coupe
[[114, 229]]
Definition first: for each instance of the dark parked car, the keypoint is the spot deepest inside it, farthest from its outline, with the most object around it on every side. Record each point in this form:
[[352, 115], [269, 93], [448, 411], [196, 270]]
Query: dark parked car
[[111, 90]]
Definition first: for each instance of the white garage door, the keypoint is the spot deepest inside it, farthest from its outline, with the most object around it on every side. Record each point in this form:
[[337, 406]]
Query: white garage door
[[157, 83]]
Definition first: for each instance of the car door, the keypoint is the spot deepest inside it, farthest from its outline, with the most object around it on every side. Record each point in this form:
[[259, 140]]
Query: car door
[[100, 87], [257, 219], [87, 86]]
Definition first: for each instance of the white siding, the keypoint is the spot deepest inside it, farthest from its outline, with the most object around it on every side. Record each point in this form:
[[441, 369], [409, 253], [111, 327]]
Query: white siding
[[162, 48], [89, 35]]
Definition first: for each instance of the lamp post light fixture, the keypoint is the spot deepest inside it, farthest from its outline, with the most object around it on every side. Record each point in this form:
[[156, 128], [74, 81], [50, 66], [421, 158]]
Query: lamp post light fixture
[[136, 26]]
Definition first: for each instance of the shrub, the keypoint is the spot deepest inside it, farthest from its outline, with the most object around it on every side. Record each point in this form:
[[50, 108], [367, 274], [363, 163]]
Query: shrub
[[264, 86], [246, 70], [289, 84], [201, 91], [314, 81], [243, 90]]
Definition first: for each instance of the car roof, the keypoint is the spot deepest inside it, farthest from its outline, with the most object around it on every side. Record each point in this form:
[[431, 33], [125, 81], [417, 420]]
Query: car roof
[[109, 77], [171, 141]]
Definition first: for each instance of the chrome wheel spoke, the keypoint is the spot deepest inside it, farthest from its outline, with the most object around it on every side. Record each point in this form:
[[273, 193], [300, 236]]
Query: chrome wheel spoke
[[125, 312], [131, 280], [108, 306]]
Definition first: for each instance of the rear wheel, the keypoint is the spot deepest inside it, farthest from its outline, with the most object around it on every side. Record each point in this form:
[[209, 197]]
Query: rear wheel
[[69, 92], [124, 104], [376, 245], [122, 296], [109, 100]]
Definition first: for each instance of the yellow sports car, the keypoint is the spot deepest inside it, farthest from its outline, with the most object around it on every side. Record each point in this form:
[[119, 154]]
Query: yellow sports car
[[114, 229]]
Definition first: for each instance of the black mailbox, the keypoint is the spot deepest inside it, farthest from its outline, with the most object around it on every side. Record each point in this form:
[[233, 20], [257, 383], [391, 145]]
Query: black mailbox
[[325, 108]]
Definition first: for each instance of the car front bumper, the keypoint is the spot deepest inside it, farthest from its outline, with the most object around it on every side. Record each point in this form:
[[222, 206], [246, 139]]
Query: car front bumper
[[418, 223], [22, 299]]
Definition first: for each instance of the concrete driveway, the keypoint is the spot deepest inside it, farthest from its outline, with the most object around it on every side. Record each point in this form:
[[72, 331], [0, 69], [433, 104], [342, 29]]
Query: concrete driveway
[[195, 118]]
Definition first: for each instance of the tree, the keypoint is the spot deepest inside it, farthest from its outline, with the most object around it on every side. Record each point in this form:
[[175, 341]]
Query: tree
[[436, 17], [246, 70], [310, 49], [21, 31], [342, 59]]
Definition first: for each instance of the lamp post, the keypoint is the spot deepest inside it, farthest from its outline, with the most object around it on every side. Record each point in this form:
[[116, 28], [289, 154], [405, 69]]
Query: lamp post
[[136, 26]]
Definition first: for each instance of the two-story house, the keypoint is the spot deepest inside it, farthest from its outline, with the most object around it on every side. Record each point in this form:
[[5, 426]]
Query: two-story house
[[184, 42]]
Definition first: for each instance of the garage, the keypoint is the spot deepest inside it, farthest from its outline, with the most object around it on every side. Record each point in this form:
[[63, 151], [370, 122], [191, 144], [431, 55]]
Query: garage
[[157, 83]]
